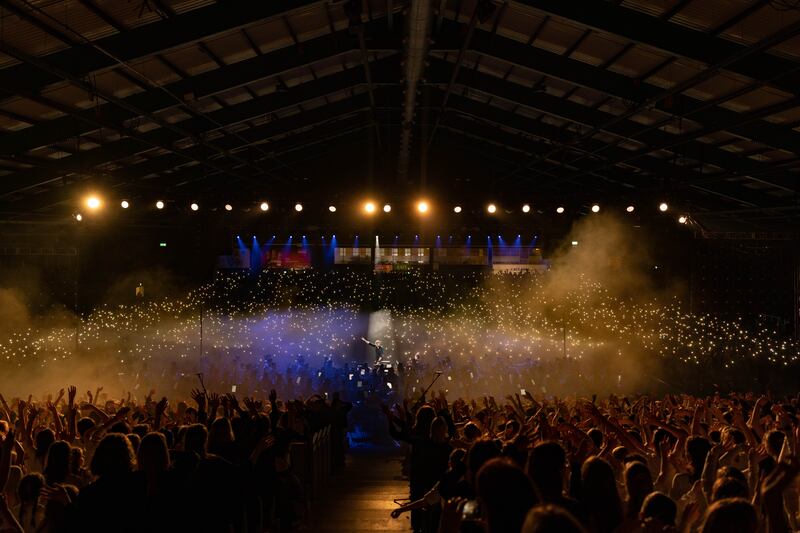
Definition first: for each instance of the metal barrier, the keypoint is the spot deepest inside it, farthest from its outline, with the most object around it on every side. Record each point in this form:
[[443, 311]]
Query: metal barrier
[[312, 462]]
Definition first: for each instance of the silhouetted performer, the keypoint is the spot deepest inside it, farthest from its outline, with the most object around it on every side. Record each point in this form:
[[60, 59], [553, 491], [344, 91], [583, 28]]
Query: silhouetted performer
[[378, 350]]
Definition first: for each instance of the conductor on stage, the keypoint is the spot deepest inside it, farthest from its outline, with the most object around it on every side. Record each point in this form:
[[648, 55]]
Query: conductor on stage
[[378, 350]]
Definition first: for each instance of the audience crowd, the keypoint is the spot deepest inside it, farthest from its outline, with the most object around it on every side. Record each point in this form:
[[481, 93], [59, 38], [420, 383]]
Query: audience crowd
[[540, 461], [528, 464], [489, 334], [209, 464]]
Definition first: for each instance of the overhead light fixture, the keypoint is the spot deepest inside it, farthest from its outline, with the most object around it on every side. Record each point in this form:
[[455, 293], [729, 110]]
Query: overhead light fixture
[[491, 208], [387, 208], [369, 207], [228, 207], [630, 209], [595, 208], [422, 206], [194, 207], [457, 209], [298, 207], [526, 208], [574, 243], [559, 210], [94, 203], [264, 206], [332, 208], [124, 204], [683, 219], [159, 205], [78, 217], [663, 207]]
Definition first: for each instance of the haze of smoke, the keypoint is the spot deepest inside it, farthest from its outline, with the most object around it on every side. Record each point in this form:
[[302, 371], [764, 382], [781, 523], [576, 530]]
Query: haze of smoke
[[609, 253], [14, 315], [613, 256], [26, 313]]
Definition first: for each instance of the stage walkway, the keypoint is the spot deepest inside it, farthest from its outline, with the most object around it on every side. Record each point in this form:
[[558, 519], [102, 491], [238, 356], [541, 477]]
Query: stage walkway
[[359, 499]]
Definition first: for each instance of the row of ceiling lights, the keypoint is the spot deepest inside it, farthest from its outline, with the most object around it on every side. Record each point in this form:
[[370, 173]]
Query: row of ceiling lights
[[95, 203]]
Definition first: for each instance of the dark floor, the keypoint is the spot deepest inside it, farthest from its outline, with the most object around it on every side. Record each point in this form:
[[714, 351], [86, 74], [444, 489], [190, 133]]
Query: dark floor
[[360, 498]]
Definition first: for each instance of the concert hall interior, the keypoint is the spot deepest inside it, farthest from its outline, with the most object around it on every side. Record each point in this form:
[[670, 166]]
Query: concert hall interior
[[436, 266]]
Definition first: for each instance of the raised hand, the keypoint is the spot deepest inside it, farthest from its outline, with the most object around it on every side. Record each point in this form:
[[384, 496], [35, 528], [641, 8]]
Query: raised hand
[[72, 391], [200, 398], [253, 405], [161, 406], [213, 401], [264, 444], [772, 490], [779, 479], [233, 402], [273, 396]]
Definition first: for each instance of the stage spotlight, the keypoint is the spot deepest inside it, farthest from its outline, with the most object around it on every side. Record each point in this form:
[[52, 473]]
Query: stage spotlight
[[264, 206], [663, 207], [332, 208], [194, 207], [159, 205], [228, 207], [559, 210], [298, 207], [491, 208], [422, 206], [682, 219], [574, 243], [595, 208], [387, 208], [124, 204], [369, 208], [78, 217], [457, 209], [526, 208], [93, 203], [630, 209]]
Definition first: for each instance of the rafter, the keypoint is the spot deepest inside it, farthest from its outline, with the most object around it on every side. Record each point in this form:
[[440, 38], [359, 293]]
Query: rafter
[[576, 113], [648, 164], [193, 88], [167, 167], [672, 38], [619, 86], [150, 39], [227, 117]]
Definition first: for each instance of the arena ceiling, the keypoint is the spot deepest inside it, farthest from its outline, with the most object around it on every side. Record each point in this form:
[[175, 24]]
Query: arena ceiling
[[695, 101]]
